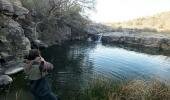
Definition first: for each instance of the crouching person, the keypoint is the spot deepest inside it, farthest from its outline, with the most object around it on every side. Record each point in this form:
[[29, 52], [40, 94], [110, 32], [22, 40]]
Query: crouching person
[[37, 68]]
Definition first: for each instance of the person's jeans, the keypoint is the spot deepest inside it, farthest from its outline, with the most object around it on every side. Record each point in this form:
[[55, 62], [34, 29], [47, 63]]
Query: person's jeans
[[49, 96], [41, 90]]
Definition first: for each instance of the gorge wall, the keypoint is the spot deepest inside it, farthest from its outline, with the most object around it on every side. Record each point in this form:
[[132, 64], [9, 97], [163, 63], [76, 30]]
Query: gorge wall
[[18, 34]]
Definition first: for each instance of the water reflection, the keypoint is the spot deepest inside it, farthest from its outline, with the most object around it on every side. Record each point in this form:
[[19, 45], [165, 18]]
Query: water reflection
[[78, 63], [72, 70]]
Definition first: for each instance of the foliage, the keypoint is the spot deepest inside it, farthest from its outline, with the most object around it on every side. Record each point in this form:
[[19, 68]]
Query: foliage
[[159, 22], [58, 9], [58, 13]]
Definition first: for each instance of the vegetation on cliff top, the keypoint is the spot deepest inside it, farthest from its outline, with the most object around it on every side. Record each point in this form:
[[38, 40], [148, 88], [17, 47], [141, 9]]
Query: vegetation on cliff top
[[47, 14], [159, 22]]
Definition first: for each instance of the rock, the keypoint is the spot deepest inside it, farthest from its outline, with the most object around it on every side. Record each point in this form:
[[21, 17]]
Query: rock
[[146, 39], [13, 70], [12, 8], [39, 44], [14, 42], [16, 2], [27, 46], [7, 7], [19, 10], [29, 28], [5, 80], [4, 55], [1, 70], [14, 67]]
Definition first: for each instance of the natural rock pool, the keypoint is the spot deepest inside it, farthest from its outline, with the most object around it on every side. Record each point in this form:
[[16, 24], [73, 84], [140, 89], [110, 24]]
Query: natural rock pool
[[78, 63]]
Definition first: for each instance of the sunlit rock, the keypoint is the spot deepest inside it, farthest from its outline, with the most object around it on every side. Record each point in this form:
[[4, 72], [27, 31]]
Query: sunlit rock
[[5, 80]]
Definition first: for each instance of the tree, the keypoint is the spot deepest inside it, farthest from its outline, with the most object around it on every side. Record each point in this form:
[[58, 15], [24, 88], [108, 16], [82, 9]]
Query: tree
[[61, 11]]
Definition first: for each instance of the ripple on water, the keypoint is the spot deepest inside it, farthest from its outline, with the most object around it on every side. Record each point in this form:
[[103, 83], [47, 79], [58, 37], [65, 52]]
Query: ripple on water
[[124, 64], [77, 64]]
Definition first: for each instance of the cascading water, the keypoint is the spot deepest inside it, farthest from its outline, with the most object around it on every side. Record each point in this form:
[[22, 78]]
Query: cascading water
[[99, 38], [89, 39]]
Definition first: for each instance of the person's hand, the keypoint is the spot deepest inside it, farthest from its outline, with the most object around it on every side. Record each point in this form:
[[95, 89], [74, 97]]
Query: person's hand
[[42, 59], [37, 59], [26, 61]]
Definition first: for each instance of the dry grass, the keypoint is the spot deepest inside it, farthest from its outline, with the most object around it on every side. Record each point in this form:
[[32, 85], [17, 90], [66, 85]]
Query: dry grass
[[133, 90]]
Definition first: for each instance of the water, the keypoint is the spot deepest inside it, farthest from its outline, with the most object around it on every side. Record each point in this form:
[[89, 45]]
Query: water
[[78, 63], [100, 37]]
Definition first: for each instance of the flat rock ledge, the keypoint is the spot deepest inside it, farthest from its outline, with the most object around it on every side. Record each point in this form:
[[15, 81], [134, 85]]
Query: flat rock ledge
[[146, 39], [12, 68], [5, 80]]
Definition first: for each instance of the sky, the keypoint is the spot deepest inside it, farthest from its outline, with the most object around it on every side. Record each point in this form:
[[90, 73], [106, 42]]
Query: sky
[[122, 10]]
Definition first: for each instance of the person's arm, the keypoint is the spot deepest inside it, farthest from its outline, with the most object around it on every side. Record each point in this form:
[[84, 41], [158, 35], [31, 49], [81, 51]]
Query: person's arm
[[47, 66], [29, 64]]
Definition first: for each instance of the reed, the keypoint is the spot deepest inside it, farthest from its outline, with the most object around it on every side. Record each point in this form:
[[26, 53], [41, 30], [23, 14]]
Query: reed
[[132, 90]]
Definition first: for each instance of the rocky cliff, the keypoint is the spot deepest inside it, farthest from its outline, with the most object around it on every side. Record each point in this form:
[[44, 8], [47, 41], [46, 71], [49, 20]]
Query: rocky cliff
[[18, 34], [140, 39], [13, 42]]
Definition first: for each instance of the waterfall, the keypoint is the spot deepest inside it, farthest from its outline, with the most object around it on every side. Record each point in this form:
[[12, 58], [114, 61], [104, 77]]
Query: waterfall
[[89, 39], [99, 37], [35, 30]]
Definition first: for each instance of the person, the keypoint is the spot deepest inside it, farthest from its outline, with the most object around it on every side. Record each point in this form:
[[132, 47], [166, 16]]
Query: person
[[37, 69]]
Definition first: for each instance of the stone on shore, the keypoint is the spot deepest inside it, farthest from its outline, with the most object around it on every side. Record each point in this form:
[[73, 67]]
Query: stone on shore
[[5, 80], [14, 67]]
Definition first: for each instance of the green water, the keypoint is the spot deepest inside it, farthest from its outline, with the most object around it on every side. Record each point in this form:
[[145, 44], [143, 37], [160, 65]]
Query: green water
[[78, 63]]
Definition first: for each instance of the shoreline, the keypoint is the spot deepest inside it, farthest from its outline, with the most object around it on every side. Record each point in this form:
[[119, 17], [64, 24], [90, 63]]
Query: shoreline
[[153, 40]]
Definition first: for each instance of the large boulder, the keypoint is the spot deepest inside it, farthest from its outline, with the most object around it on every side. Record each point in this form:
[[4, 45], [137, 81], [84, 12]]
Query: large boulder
[[6, 7], [19, 10], [12, 7], [14, 45], [16, 2], [29, 27], [5, 80], [39, 44], [12, 38], [14, 67]]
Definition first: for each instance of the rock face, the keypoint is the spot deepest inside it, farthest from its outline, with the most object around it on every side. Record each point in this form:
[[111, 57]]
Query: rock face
[[6, 7], [17, 36], [19, 10], [13, 42], [146, 39], [14, 67], [12, 38], [12, 7], [39, 44]]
